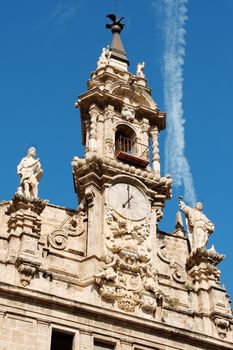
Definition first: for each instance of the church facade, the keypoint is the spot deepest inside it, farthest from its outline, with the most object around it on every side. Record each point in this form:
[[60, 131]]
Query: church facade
[[103, 276]]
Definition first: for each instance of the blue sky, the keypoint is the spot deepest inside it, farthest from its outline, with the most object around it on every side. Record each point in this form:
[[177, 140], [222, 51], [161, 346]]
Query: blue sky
[[49, 49]]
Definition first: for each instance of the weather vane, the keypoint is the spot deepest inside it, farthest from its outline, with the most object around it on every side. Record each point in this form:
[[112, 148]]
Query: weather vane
[[116, 25]]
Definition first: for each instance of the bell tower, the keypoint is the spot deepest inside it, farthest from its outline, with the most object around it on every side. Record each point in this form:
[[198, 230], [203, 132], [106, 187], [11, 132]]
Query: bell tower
[[103, 276], [119, 179]]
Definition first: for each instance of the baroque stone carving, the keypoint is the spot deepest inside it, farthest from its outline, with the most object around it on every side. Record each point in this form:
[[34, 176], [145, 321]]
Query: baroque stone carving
[[178, 272], [198, 225], [72, 226], [222, 326], [104, 58], [30, 172], [159, 214], [128, 276], [128, 113], [202, 262], [19, 201], [27, 272]]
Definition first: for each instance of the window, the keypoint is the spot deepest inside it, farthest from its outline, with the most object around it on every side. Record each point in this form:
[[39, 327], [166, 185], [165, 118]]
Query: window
[[125, 139], [99, 345], [61, 341]]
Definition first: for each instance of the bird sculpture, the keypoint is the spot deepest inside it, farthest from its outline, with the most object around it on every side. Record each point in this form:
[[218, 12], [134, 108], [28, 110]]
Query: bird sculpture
[[115, 22]]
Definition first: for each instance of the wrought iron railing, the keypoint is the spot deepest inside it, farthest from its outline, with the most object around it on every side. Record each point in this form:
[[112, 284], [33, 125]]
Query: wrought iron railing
[[132, 148]]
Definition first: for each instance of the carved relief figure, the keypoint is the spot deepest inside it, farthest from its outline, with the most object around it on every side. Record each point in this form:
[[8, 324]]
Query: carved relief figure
[[30, 172], [199, 226], [140, 68], [104, 58], [108, 267]]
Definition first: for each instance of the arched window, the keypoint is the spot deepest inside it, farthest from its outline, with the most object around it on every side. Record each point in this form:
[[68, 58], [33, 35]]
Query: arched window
[[125, 140], [128, 149]]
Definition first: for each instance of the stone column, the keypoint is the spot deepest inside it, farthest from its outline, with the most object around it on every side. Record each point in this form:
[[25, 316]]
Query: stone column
[[109, 134], [155, 150], [87, 136], [93, 112], [100, 133], [145, 139]]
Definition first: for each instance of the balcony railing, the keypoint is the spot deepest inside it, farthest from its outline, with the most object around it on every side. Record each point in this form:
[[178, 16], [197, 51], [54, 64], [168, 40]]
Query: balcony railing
[[132, 152]]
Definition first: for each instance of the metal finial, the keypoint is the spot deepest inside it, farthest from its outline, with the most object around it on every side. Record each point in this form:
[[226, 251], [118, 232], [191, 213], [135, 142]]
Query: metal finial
[[116, 25]]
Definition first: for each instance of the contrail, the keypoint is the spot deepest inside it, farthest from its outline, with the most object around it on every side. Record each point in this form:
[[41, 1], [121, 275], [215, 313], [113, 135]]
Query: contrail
[[175, 16]]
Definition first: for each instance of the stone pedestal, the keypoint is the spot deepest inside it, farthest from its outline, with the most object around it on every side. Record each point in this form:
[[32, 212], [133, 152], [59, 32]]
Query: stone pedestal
[[24, 227], [211, 297]]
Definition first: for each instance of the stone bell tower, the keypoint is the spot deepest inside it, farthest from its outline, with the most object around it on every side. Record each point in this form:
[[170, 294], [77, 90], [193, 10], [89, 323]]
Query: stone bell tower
[[118, 178], [103, 276]]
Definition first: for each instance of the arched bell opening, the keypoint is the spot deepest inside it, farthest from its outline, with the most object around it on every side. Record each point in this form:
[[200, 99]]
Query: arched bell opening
[[125, 139], [127, 148]]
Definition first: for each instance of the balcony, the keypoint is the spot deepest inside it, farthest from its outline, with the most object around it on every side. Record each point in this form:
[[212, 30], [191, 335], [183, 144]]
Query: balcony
[[131, 152]]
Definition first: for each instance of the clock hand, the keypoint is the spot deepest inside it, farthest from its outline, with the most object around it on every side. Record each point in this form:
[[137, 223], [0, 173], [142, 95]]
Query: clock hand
[[127, 202]]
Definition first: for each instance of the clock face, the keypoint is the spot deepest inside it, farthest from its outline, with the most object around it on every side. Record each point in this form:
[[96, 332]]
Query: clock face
[[128, 201]]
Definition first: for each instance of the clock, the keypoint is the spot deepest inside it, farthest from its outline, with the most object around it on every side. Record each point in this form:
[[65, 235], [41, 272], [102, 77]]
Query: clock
[[128, 201]]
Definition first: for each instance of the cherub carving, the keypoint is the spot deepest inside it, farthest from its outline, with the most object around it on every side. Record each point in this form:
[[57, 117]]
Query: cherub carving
[[107, 267]]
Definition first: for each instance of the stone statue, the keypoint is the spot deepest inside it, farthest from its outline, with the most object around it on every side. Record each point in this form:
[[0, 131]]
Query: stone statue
[[140, 68], [30, 172], [104, 58], [198, 225]]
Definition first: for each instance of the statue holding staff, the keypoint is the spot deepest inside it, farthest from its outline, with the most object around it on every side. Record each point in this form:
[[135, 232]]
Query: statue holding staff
[[198, 225]]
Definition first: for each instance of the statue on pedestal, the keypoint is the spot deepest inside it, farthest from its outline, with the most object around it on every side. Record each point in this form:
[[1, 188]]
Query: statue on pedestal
[[30, 172], [198, 225]]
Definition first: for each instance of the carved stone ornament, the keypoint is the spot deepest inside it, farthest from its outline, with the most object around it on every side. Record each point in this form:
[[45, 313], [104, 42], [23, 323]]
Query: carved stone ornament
[[58, 239], [201, 255], [72, 226], [223, 326], [128, 113], [178, 272], [27, 272], [104, 58], [20, 201], [159, 213], [128, 277]]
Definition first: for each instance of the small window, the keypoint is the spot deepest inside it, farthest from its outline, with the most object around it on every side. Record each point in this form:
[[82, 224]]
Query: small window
[[99, 345], [61, 341]]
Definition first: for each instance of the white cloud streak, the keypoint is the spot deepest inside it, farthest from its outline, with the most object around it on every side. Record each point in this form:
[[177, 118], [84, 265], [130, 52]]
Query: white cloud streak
[[62, 14], [175, 16]]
